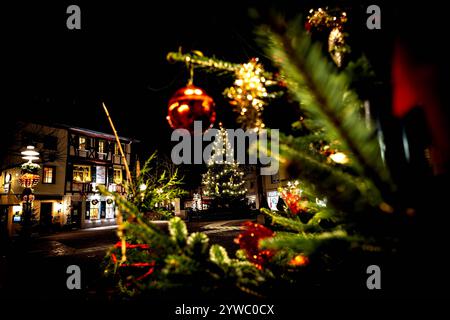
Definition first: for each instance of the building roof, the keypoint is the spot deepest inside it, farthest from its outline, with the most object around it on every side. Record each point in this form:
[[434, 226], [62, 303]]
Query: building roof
[[98, 134], [85, 131]]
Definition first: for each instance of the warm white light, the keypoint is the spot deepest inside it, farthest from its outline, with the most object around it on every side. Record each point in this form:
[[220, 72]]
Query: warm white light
[[339, 157], [58, 206], [30, 154], [321, 203], [17, 209]]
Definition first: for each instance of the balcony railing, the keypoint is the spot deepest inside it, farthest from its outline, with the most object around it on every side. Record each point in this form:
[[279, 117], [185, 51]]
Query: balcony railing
[[95, 155]]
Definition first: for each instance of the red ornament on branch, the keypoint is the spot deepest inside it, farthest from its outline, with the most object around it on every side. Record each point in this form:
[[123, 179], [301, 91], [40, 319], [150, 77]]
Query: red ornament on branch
[[191, 104], [291, 195], [135, 265], [293, 201], [249, 242]]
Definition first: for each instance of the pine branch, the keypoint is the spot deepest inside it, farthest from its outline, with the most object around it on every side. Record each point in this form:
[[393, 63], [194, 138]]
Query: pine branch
[[197, 244], [132, 217], [288, 223], [344, 191], [219, 255], [178, 231], [304, 243], [210, 63], [325, 94]]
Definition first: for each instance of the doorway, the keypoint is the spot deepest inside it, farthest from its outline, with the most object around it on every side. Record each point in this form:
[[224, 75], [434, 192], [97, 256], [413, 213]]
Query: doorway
[[75, 214], [46, 216], [3, 223]]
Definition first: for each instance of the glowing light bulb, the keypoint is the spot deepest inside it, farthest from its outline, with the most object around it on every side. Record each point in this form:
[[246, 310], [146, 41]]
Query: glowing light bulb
[[339, 157]]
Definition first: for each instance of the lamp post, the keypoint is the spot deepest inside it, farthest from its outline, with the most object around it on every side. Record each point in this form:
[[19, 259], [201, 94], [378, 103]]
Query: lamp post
[[28, 179]]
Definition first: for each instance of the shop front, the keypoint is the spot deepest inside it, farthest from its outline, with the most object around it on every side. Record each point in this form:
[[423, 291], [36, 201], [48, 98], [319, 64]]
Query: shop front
[[99, 211]]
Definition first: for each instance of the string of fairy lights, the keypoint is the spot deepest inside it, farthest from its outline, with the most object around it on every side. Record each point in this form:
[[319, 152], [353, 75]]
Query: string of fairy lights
[[249, 94], [215, 181]]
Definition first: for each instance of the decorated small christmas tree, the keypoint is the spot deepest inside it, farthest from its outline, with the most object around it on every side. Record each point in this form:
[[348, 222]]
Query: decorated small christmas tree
[[223, 181]]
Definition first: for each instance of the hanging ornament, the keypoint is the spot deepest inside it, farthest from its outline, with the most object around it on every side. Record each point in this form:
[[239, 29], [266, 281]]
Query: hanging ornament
[[191, 104], [249, 242], [291, 195], [321, 20], [29, 180], [29, 174], [248, 94], [336, 45]]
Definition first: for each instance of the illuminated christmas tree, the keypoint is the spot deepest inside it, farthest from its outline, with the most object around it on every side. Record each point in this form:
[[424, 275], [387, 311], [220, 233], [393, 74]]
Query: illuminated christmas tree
[[223, 181]]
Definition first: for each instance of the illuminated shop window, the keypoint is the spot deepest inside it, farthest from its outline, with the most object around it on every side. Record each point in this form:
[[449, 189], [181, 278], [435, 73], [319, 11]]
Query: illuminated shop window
[[94, 209], [117, 176], [101, 146], [82, 143], [110, 209], [81, 173], [116, 148], [48, 175]]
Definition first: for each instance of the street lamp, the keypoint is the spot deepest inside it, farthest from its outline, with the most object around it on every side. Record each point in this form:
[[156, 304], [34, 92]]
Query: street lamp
[[30, 154], [28, 179]]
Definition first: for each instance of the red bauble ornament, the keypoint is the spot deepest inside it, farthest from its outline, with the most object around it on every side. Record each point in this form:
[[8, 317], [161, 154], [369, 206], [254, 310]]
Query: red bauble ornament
[[191, 104], [249, 242]]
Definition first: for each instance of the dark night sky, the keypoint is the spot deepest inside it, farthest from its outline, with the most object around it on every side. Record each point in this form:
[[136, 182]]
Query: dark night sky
[[118, 57]]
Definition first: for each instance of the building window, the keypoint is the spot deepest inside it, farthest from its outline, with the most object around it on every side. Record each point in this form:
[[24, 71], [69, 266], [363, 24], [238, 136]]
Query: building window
[[117, 176], [94, 209], [110, 209], [102, 209], [48, 174], [81, 173], [116, 148], [101, 146], [82, 143], [100, 175]]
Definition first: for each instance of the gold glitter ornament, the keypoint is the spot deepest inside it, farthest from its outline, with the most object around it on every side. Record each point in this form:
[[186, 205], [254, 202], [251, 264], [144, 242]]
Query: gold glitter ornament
[[248, 94], [321, 19]]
